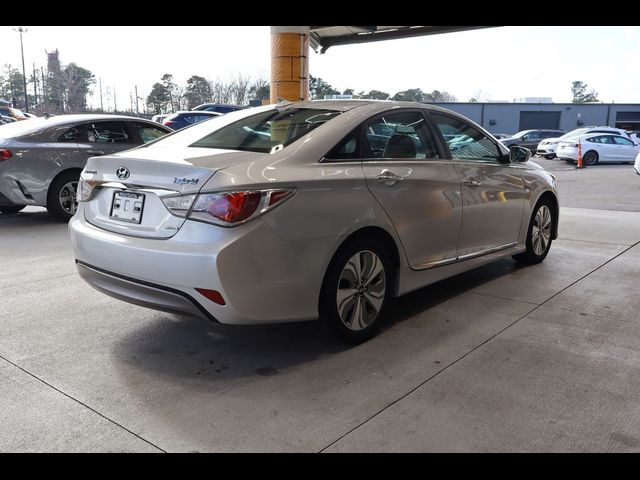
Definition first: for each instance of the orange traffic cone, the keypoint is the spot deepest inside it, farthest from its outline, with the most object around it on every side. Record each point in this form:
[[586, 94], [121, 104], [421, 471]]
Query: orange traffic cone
[[580, 164]]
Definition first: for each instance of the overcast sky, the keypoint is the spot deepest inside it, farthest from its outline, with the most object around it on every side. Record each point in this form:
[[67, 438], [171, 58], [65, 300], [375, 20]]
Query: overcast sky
[[498, 63]]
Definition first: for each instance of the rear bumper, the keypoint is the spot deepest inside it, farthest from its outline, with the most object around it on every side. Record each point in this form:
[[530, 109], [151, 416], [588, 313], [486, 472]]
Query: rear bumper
[[142, 293], [261, 277]]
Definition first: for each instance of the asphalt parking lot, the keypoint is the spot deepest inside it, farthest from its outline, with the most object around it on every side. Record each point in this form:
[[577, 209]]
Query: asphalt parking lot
[[502, 358]]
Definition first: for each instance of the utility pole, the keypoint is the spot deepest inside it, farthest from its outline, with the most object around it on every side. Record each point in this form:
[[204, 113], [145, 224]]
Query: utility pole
[[115, 104], [44, 97], [131, 102], [101, 106], [24, 73], [137, 109], [35, 86]]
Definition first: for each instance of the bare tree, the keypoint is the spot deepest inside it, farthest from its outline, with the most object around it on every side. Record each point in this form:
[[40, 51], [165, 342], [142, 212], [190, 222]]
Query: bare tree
[[240, 89]]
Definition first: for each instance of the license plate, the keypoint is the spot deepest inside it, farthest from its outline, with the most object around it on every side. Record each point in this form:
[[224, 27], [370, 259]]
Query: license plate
[[127, 207]]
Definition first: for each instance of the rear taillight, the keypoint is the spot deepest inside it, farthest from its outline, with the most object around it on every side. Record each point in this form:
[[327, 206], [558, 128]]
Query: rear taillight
[[232, 208], [168, 123], [5, 154], [226, 208], [85, 189]]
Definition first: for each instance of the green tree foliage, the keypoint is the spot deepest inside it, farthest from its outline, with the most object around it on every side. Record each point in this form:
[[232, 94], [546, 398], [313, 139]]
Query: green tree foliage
[[12, 85], [54, 85], [158, 98], [580, 94], [411, 95], [377, 95], [171, 90], [260, 89], [318, 88], [198, 91], [77, 82]]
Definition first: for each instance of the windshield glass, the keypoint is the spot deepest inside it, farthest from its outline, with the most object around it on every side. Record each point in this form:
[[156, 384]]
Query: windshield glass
[[267, 132]]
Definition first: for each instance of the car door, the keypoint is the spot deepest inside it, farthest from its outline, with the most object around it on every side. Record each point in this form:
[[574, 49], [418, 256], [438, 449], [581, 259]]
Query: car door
[[493, 193], [607, 149], [530, 140], [42, 157], [106, 138], [418, 188], [626, 149]]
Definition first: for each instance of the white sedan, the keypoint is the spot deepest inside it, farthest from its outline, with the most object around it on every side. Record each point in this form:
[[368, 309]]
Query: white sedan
[[599, 148], [549, 146]]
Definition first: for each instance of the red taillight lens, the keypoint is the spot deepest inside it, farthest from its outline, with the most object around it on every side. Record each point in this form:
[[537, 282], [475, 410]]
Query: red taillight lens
[[5, 154], [230, 208], [234, 207], [168, 123], [213, 295]]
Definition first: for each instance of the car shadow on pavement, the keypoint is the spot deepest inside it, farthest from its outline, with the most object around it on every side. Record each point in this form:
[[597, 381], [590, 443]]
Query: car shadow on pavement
[[182, 347], [27, 219]]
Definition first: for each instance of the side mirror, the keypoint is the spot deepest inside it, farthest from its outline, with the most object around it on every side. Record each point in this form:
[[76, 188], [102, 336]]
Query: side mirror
[[519, 154]]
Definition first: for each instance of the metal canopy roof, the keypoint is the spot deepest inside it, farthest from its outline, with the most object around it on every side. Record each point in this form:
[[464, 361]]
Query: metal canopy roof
[[323, 37]]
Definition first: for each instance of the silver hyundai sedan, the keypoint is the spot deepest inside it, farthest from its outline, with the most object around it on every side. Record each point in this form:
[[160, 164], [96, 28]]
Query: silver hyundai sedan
[[41, 159], [304, 210]]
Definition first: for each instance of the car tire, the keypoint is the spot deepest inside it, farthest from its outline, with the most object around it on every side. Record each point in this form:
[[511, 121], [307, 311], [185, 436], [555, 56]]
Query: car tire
[[61, 201], [538, 238], [549, 157], [9, 209], [354, 307], [590, 158]]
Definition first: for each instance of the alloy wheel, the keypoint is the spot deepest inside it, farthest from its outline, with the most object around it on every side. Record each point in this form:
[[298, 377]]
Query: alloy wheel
[[361, 290], [541, 230], [67, 197]]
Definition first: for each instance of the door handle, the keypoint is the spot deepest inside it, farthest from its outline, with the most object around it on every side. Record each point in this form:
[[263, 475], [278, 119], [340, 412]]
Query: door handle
[[95, 152], [389, 178], [471, 182]]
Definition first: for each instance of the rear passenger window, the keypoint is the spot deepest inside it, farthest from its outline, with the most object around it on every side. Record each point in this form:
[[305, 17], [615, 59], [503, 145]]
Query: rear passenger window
[[107, 132], [347, 149], [148, 133], [71, 135], [399, 135]]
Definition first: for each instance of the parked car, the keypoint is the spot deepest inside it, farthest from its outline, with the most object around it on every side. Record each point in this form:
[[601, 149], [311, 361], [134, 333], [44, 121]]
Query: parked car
[[160, 118], [598, 148], [548, 147], [41, 160], [530, 138], [5, 119], [242, 223], [180, 120], [500, 136], [12, 112], [218, 107]]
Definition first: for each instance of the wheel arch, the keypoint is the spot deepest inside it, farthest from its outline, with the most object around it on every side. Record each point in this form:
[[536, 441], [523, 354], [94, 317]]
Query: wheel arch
[[59, 174], [551, 198], [381, 235]]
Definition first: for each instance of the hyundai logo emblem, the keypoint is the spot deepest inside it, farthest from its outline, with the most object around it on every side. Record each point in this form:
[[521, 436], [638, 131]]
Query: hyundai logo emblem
[[122, 173]]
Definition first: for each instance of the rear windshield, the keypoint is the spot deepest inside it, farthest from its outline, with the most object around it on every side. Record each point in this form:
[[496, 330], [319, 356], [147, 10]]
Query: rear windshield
[[22, 127], [267, 132]]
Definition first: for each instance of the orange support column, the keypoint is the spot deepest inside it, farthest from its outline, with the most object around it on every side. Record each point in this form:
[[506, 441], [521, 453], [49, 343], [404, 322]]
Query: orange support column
[[289, 63]]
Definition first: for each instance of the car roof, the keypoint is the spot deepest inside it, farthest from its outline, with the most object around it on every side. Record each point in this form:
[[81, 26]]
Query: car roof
[[198, 112], [34, 125]]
